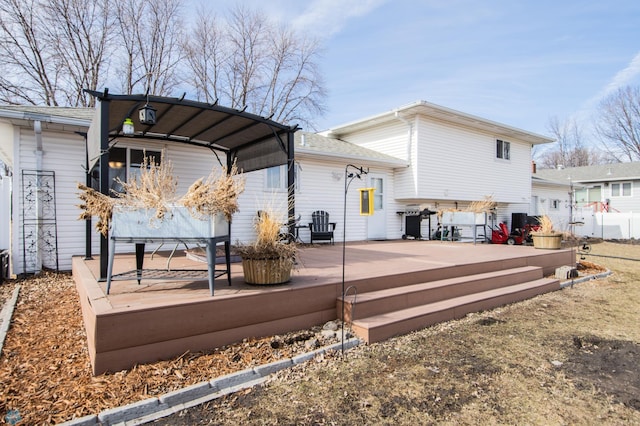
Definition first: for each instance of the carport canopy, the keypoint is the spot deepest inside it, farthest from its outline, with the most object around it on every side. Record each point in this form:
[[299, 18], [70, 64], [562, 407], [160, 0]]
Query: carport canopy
[[251, 141]]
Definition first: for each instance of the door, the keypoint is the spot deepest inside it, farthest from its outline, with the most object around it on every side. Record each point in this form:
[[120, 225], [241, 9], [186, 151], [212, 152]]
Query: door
[[376, 223], [533, 210]]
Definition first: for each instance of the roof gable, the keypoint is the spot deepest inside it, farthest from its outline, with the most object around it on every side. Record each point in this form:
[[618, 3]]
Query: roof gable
[[438, 112]]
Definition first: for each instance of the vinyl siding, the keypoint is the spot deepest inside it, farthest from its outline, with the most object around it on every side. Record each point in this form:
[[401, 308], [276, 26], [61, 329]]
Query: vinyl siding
[[390, 138], [455, 163], [624, 204], [64, 154], [322, 187], [546, 194]]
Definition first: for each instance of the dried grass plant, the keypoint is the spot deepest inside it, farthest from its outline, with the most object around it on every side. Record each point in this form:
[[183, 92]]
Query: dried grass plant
[[546, 226], [483, 206], [487, 205], [155, 189], [269, 243], [218, 193], [96, 204]]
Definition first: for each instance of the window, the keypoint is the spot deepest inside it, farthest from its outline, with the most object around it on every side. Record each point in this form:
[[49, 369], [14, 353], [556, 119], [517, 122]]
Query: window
[[125, 163], [276, 178], [503, 149], [378, 194], [621, 189]]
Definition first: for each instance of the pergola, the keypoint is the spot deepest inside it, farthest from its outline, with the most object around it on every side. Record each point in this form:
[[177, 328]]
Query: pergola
[[251, 141]]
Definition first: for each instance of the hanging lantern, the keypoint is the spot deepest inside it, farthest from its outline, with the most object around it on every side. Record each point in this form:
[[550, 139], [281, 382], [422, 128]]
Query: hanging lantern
[[147, 115]]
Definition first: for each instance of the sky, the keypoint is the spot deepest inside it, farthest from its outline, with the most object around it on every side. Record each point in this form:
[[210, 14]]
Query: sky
[[516, 62]]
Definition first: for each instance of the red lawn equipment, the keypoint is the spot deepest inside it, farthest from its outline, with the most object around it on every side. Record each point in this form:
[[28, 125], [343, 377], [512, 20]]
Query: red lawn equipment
[[516, 236]]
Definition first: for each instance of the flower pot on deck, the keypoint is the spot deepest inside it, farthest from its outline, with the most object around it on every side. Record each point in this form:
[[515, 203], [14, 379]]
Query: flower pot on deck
[[547, 241], [267, 271]]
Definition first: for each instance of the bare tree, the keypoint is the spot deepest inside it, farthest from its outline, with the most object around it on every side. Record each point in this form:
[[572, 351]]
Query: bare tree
[[252, 63], [30, 73], [618, 123], [568, 150], [81, 33], [150, 35], [51, 50], [205, 54]]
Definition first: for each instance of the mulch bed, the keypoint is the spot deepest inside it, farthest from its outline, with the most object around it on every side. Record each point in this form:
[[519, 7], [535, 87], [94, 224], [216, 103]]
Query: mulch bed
[[46, 374]]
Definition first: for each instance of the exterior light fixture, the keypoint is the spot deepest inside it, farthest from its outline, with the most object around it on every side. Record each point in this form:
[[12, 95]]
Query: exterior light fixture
[[147, 114], [127, 127]]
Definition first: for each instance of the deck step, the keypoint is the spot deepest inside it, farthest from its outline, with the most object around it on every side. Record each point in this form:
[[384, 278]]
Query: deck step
[[383, 326], [398, 298]]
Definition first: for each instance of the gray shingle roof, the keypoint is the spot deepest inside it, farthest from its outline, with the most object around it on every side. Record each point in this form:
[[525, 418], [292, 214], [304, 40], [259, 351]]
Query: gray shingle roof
[[597, 173], [326, 146], [48, 111]]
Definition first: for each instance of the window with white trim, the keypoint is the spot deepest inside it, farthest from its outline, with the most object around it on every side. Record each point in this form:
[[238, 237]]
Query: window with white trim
[[622, 189], [503, 149], [125, 163], [276, 178]]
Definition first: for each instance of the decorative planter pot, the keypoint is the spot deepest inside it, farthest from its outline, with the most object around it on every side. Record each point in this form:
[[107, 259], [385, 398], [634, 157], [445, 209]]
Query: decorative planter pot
[[547, 241], [267, 271], [177, 223]]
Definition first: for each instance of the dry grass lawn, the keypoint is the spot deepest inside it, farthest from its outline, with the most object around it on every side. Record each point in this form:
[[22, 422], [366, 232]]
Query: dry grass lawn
[[569, 357]]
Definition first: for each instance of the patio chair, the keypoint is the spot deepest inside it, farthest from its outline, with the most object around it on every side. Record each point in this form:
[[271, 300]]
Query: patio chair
[[320, 227]]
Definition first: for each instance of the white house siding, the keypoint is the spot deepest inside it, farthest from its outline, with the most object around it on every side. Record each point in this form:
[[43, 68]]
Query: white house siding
[[545, 195], [623, 204], [396, 138], [390, 138], [64, 153], [322, 188], [5, 212], [456, 163]]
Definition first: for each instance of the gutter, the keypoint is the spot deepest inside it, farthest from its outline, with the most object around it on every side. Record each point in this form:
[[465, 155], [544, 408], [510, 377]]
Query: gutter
[[46, 118]]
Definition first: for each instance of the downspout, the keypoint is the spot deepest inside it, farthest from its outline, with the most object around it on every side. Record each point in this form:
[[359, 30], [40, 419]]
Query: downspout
[[37, 129], [409, 145]]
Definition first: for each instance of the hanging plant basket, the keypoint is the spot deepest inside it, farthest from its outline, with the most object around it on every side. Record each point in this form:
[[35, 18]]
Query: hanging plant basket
[[547, 241], [267, 271]]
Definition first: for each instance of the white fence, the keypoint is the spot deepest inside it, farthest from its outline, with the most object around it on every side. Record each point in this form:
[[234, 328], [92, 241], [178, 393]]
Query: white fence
[[5, 212], [609, 225]]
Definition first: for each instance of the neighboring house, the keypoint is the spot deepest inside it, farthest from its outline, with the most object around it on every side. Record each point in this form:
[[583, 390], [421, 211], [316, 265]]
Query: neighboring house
[[418, 156], [552, 198], [606, 197]]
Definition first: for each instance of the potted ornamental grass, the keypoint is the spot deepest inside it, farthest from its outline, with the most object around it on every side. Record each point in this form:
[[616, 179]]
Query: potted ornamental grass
[[545, 237], [270, 258]]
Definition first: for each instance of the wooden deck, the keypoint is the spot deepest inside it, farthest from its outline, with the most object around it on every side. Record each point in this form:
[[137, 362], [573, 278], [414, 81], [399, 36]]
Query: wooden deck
[[161, 318]]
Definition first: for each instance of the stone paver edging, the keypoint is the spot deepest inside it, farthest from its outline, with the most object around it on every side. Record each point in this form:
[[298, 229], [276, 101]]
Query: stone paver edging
[[164, 405], [6, 314], [570, 283]]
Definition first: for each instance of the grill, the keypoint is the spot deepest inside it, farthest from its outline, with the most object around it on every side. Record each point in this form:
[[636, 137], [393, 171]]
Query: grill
[[413, 217]]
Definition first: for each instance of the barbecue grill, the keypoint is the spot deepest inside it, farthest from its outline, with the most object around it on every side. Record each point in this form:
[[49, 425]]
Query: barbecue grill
[[413, 217]]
